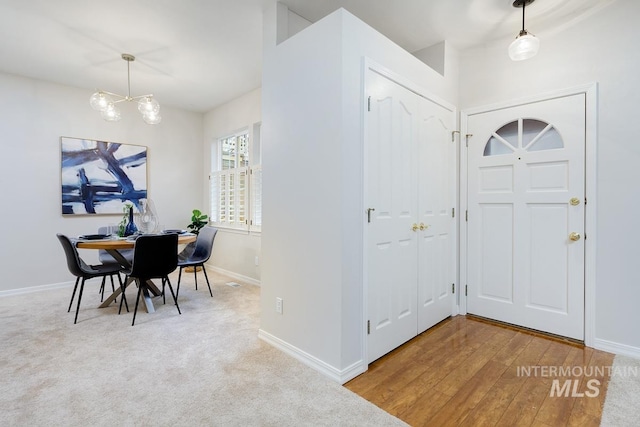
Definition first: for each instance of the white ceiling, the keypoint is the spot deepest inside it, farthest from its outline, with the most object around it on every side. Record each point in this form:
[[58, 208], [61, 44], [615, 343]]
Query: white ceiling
[[198, 54]]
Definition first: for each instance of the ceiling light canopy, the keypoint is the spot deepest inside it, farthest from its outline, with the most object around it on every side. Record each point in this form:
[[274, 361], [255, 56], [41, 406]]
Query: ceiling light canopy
[[105, 102], [525, 45]]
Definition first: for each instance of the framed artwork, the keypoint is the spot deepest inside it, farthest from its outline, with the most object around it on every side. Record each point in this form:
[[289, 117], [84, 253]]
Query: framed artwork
[[99, 177]]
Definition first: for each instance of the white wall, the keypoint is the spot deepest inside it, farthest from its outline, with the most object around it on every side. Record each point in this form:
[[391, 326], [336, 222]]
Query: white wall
[[33, 116], [234, 251], [313, 186], [301, 237], [595, 49]]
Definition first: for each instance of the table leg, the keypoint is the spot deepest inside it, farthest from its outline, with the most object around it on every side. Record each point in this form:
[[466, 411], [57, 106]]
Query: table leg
[[148, 303], [115, 294], [118, 257]]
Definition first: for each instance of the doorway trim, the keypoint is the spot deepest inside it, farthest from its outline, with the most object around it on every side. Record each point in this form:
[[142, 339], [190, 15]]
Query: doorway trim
[[590, 91]]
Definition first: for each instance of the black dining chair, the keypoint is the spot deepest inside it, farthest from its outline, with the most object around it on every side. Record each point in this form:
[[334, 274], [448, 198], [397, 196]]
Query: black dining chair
[[83, 271], [196, 255], [154, 257]]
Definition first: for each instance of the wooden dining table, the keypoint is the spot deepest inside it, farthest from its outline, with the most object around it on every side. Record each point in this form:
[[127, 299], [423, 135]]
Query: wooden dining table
[[113, 247]]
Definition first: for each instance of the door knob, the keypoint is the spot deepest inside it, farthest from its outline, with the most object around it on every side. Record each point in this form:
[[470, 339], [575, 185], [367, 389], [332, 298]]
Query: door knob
[[414, 227], [574, 236], [423, 227], [574, 201]]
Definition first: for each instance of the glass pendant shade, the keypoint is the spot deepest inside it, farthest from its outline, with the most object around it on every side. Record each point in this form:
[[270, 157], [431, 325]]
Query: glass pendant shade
[[151, 118], [111, 113], [525, 46], [99, 101], [148, 105]]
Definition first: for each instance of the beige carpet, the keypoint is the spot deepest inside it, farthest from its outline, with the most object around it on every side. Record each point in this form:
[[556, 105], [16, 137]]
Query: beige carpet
[[205, 367], [622, 403]]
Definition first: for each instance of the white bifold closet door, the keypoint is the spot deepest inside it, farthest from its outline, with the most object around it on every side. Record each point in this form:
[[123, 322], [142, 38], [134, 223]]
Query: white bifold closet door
[[410, 228]]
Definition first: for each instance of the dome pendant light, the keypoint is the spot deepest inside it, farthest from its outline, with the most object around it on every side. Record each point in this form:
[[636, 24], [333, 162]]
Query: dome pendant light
[[525, 45]]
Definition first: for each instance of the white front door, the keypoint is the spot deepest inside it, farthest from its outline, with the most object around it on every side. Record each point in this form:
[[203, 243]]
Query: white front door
[[410, 179], [526, 199]]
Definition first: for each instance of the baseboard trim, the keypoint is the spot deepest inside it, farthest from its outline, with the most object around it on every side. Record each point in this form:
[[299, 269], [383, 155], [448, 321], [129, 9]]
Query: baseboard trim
[[39, 288], [616, 348], [337, 375], [246, 279]]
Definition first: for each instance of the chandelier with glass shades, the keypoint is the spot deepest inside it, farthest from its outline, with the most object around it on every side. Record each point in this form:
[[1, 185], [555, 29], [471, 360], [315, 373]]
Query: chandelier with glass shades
[[105, 102]]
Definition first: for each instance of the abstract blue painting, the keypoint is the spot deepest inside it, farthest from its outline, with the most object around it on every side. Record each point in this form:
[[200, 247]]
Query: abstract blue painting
[[99, 177]]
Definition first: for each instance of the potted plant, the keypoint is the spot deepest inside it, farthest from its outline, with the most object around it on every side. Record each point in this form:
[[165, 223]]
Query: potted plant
[[198, 220]]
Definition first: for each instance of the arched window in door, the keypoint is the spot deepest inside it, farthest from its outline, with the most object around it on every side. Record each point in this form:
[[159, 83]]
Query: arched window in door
[[523, 134]]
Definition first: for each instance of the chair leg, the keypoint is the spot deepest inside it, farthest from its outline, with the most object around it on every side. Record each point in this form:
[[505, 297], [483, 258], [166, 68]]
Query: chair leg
[[204, 270], [79, 298], [73, 295], [113, 289], [123, 297], [179, 277], [164, 301], [195, 275], [104, 278], [175, 298], [135, 311]]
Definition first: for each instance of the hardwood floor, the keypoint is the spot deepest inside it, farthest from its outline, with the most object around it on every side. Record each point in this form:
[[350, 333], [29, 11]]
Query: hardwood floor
[[469, 372]]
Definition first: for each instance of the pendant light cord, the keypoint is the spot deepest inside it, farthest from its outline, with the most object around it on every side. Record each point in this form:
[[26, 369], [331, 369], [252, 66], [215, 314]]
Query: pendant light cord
[[129, 76]]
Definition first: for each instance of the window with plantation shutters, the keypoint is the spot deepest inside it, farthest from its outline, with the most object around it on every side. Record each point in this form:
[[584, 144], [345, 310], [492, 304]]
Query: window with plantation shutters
[[256, 198], [235, 185]]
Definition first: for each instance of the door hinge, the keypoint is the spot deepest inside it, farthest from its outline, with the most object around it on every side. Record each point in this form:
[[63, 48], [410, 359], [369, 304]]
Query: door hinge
[[369, 210], [453, 288], [369, 104], [466, 216], [368, 327], [466, 137], [466, 289], [453, 212], [453, 135]]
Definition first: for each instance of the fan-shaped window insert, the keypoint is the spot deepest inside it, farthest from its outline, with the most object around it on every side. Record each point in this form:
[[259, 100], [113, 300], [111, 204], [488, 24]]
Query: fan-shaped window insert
[[503, 141], [540, 136], [527, 134]]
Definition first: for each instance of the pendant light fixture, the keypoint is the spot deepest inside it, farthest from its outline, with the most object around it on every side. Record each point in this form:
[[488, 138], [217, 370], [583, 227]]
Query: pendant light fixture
[[105, 102], [525, 45]]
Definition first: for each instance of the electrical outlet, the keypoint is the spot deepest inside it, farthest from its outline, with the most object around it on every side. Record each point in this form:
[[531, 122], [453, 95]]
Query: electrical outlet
[[278, 305]]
